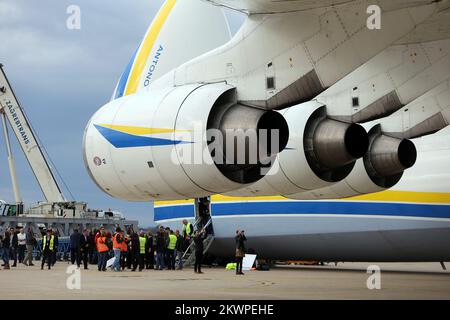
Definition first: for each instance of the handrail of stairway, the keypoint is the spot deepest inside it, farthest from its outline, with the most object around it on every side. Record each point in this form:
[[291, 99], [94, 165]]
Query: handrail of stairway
[[192, 242]]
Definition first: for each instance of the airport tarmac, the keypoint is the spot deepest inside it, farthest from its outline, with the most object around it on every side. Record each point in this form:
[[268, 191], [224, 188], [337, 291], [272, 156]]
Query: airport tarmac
[[346, 281]]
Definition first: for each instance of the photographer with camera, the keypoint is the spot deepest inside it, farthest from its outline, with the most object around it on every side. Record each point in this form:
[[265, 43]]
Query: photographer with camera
[[240, 250]]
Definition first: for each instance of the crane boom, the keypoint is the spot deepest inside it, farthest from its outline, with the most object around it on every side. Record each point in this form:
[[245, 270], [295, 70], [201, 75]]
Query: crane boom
[[12, 167], [28, 142]]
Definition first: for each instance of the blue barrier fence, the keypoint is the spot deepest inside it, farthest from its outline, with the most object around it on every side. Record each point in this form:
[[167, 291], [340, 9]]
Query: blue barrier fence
[[63, 252]]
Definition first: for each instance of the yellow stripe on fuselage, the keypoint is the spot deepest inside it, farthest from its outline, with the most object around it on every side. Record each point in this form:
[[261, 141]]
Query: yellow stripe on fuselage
[[137, 130], [220, 198], [147, 46], [405, 196], [384, 196]]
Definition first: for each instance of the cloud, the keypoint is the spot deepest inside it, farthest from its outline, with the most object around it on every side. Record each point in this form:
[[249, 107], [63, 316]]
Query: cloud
[[10, 11], [63, 76]]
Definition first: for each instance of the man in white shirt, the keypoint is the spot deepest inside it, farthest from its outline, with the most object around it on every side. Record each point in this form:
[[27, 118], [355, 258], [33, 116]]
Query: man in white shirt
[[21, 237]]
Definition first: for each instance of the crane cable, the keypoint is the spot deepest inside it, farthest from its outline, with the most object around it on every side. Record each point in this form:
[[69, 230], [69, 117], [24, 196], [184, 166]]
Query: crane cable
[[46, 154]]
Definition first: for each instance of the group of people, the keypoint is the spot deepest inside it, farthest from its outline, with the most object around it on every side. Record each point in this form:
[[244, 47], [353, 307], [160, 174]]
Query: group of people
[[130, 250], [137, 251], [14, 244]]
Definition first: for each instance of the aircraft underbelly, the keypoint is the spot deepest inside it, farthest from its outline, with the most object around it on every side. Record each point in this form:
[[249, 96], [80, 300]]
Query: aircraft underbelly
[[337, 239], [327, 238]]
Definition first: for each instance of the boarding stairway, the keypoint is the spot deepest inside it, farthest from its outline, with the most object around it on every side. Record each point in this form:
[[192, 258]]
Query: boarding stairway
[[189, 254]]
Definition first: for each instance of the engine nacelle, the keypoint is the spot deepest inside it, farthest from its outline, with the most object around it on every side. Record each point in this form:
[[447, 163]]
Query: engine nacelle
[[156, 145], [381, 168], [320, 152]]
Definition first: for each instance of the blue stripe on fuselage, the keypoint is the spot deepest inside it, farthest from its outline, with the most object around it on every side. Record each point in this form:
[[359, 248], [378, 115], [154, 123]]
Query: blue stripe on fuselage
[[124, 78], [310, 207], [125, 140]]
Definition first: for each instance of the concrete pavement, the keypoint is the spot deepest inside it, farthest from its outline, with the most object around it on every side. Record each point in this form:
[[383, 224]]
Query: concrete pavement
[[346, 281]]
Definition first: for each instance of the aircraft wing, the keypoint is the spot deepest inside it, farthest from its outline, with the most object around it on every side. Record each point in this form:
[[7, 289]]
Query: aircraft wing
[[279, 60], [279, 6], [435, 28]]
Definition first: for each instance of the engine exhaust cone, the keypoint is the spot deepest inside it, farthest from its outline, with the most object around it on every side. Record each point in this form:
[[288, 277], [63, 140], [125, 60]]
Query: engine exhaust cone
[[407, 153], [252, 138], [271, 121], [337, 144], [356, 141], [390, 156], [332, 147]]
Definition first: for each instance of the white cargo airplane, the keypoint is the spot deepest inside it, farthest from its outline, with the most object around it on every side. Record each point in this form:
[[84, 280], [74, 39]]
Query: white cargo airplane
[[309, 71]]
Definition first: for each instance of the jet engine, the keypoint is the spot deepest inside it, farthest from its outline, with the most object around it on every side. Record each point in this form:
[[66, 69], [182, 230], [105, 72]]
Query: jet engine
[[381, 168], [181, 142], [320, 152]]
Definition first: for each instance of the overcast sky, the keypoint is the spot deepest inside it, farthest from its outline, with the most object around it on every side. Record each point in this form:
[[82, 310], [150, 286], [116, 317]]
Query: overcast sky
[[62, 77]]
